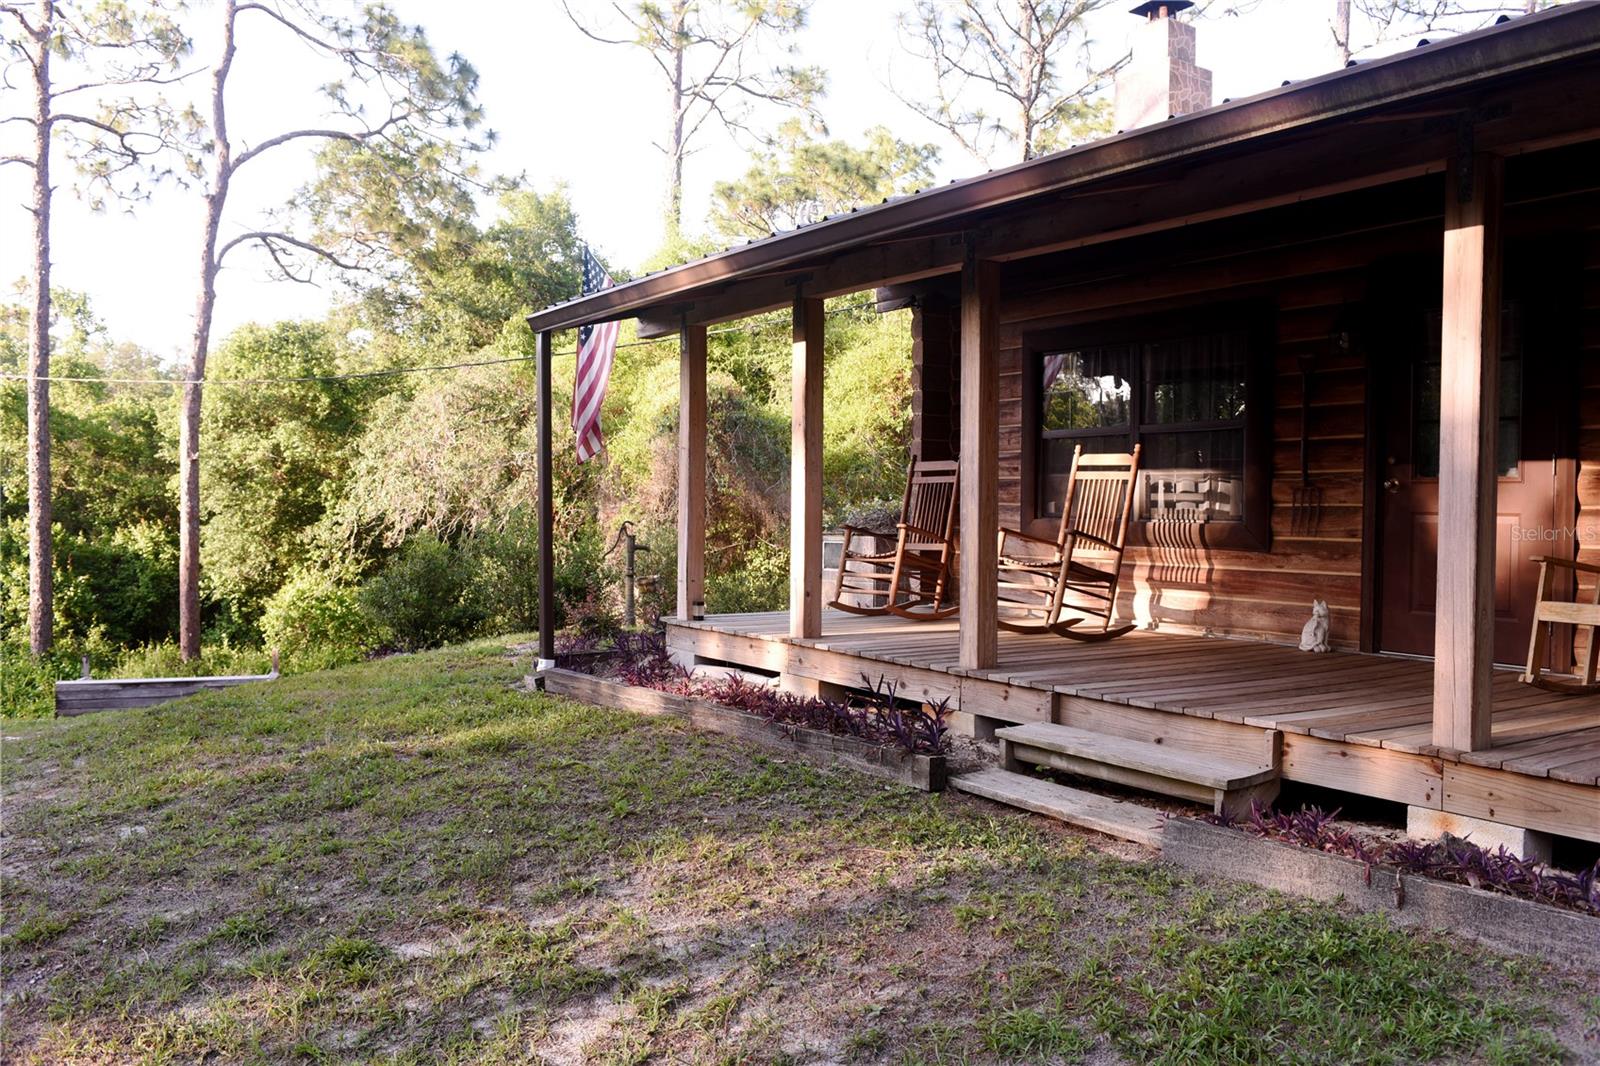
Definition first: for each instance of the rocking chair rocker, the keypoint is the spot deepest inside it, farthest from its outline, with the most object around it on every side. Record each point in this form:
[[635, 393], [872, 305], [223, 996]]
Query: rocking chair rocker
[[1579, 615], [911, 580], [1085, 559]]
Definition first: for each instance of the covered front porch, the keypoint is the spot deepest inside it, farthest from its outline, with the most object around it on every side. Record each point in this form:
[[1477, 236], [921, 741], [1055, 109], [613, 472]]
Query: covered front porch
[[1394, 273], [1356, 723]]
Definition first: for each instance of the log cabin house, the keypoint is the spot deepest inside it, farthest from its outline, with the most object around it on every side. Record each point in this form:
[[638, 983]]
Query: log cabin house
[[1353, 322]]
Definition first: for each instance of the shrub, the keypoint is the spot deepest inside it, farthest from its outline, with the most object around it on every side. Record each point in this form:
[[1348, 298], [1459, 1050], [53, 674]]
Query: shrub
[[506, 560], [315, 620], [760, 583], [123, 585], [587, 582], [27, 682], [426, 596], [164, 660]]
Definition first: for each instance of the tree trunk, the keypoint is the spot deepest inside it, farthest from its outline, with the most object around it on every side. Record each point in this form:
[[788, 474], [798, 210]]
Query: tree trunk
[[195, 368], [41, 577], [1341, 30], [673, 210]]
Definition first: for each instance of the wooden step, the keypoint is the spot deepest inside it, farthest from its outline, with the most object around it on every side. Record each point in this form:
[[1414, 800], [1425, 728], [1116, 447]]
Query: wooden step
[[1103, 814], [1226, 783]]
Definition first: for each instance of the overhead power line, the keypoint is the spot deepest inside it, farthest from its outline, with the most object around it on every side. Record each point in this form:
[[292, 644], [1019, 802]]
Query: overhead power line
[[388, 372]]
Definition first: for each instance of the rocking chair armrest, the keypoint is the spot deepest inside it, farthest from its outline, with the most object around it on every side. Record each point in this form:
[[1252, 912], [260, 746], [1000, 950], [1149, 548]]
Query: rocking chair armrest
[[908, 527], [863, 531], [1573, 564], [1020, 535]]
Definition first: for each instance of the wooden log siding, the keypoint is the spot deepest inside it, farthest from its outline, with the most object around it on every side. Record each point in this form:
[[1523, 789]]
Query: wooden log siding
[[1242, 593], [1267, 594]]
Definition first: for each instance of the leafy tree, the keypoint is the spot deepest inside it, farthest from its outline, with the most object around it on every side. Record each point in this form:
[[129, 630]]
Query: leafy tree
[[708, 52], [279, 459], [471, 289], [397, 100], [426, 596], [1010, 77], [457, 456], [108, 48], [802, 180], [113, 567]]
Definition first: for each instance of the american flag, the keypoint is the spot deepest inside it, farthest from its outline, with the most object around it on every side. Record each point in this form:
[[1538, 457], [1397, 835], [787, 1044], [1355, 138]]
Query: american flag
[[1053, 365], [597, 348]]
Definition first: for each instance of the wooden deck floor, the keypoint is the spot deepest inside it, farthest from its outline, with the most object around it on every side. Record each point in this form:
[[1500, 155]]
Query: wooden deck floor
[[1368, 701]]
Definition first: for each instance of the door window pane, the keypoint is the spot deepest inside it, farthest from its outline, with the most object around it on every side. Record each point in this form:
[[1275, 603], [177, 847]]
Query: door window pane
[[1425, 387], [1425, 418]]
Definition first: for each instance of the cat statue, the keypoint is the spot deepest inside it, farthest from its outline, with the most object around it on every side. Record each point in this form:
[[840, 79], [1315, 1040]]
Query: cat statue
[[1314, 637]]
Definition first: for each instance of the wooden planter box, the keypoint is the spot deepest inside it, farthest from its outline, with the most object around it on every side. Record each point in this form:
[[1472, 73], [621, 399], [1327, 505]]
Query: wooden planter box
[[1501, 921], [925, 772], [89, 696]]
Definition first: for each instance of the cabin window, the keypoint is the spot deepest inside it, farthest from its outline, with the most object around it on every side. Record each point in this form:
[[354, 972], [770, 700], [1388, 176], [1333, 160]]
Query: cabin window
[[1184, 396]]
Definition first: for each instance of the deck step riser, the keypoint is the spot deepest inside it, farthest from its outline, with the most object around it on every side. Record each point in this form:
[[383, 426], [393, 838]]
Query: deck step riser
[[1117, 775], [1103, 814], [1211, 770]]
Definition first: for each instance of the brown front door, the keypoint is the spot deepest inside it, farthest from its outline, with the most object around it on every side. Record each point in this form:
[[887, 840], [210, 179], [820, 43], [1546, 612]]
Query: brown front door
[[1533, 480]]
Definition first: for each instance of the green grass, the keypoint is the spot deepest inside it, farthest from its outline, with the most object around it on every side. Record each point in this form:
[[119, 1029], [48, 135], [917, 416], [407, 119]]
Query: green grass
[[410, 861]]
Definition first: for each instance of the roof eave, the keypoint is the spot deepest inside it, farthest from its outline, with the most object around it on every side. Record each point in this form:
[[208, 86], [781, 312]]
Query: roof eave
[[1552, 36]]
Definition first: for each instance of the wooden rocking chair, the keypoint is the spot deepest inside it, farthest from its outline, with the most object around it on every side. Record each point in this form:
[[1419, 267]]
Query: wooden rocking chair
[[1085, 559], [913, 579], [1577, 615]]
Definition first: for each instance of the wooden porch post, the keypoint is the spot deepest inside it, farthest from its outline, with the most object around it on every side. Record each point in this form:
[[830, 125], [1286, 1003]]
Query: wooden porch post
[[547, 510], [692, 472], [980, 458], [1468, 417], [805, 472]]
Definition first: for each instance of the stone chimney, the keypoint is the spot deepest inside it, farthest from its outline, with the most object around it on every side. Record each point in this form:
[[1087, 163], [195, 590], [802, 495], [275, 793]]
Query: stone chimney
[[1161, 80]]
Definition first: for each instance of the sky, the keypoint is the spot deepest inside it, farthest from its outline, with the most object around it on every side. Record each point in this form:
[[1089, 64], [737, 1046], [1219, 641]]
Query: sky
[[566, 110]]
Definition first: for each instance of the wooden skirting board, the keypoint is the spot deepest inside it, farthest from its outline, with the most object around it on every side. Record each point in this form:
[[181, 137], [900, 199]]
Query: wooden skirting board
[[1357, 723]]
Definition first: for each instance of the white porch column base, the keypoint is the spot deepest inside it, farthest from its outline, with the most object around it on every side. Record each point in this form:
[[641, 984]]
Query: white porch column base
[[810, 686], [977, 726], [1425, 823]]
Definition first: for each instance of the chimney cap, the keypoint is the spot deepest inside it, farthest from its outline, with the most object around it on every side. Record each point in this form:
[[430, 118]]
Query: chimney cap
[[1152, 9]]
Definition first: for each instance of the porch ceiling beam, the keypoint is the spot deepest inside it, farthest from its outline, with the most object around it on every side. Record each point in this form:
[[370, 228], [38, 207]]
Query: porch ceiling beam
[[805, 470], [864, 268], [692, 471], [979, 459], [1468, 420]]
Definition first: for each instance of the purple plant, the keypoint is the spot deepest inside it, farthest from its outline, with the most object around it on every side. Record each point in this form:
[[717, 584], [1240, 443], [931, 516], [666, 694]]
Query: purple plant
[[880, 718], [1446, 859], [1310, 827], [1466, 863]]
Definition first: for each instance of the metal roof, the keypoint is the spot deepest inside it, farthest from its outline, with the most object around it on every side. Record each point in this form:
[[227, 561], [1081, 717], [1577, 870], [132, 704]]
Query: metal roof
[[1552, 36]]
